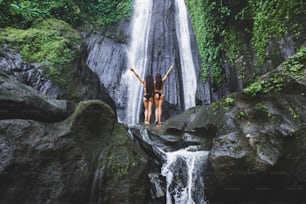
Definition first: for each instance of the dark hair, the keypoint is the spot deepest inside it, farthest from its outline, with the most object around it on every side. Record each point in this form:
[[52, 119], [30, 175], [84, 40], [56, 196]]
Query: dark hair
[[158, 81], [150, 85]]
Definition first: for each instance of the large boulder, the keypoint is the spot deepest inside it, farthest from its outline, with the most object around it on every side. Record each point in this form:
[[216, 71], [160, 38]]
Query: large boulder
[[31, 74], [258, 142], [18, 101], [76, 84], [87, 158]]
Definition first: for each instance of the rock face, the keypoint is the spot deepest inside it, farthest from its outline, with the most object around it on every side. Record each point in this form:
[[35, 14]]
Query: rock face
[[257, 147], [277, 51], [256, 144], [107, 57], [20, 101], [30, 74], [86, 85], [87, 158]]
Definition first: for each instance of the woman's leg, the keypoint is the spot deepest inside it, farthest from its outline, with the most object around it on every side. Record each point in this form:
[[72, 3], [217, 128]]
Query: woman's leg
[[145, 104], [160, 107], [150, 104], [156, 102]]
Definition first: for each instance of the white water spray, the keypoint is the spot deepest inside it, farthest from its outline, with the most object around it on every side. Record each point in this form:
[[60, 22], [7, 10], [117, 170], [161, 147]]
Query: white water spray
[[183, 169], [137, 57], [187, 65], [192, 192]]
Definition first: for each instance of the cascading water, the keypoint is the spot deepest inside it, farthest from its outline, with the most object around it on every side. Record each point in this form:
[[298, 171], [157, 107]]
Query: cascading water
[[159, 34], [183, 171], [137, 57], [186, 59], [183, 168]]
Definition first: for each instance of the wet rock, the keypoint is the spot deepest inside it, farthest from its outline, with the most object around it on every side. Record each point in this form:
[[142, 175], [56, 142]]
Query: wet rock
[[31, 74], [18, 101], [87, 158]]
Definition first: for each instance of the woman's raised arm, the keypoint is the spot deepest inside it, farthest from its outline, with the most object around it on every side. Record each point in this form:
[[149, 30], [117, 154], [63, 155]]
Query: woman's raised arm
[[167, 74], [138, 77]]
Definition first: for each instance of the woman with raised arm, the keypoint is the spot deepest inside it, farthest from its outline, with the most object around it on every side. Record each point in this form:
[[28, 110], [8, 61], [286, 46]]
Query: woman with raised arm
[[159, 94], [148, 86]]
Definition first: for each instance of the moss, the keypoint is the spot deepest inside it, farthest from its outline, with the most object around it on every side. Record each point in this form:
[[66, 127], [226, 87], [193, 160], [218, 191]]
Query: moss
[[53, 43], [24, 13], [273, 19], [240, 114], [224, 105], [294, 68], [294, 114], [105, 13], [229, 32], [208, 28], [123, 159]]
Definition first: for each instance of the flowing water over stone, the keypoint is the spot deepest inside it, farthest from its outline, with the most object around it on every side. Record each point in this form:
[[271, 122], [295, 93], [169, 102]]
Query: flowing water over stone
[[137, 57], [186, 59], [158, 35], [183, 170]]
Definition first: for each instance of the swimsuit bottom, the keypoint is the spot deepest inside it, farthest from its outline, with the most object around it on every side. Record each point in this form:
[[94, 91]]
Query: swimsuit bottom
[[148, 96], [159, 94]]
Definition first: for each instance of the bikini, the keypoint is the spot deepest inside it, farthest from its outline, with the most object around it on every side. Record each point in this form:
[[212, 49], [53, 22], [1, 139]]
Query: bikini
[[159, 93], [148, 96]]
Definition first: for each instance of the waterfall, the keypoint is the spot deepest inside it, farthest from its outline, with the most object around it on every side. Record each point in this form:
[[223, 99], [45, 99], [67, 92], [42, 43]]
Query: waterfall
[[183, 170], [137, 57], [186, 58], [159, 33]]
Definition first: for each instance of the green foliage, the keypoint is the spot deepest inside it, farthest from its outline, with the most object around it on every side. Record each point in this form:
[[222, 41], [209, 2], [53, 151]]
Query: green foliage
[[52, 43], [228, 32], [207, 23], [272, 19], [29, 11], [228, 101], [240, 114], [262, 106], [225, 104], [24, 13], [107, 12], [294, 68], [117, 166], [294, 114], [254, 88]]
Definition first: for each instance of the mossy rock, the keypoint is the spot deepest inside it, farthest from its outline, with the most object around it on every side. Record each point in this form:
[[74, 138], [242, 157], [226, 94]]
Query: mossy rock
[[53, 43]]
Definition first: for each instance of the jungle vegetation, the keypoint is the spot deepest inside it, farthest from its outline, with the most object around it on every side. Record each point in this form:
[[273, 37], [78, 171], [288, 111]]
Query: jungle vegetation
[[227, 30]]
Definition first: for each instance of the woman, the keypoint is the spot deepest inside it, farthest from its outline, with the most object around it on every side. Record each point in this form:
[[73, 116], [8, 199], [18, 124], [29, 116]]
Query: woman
[[159, 94], [148, 86]]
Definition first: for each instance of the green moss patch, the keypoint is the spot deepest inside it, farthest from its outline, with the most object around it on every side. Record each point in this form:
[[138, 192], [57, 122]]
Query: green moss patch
[[293, 69], [52, 43]]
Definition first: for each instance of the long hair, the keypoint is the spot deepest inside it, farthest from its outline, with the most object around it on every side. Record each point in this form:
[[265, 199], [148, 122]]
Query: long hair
[[150, 85], [158, 81]]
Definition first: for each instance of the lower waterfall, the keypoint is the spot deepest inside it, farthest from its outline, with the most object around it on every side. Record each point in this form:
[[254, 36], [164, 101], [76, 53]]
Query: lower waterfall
[[182, 168]]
